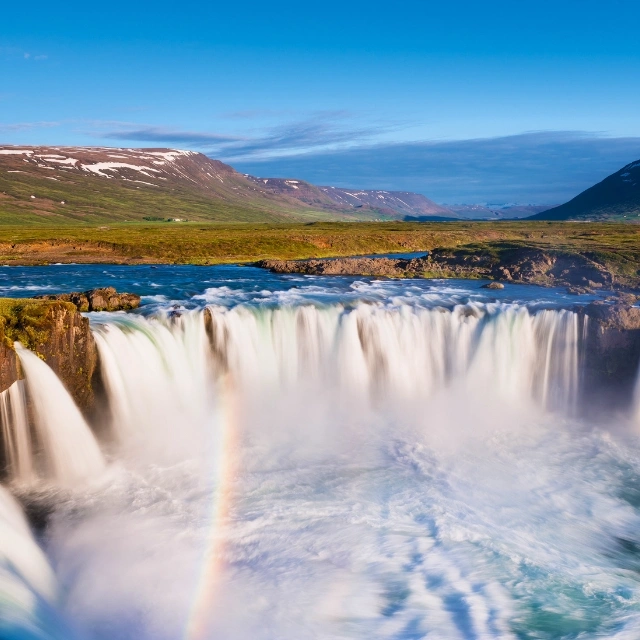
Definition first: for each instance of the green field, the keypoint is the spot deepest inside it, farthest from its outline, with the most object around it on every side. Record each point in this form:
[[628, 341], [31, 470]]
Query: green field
[[616, 245]]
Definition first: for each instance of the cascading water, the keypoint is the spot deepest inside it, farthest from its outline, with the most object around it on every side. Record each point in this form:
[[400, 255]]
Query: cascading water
[[405, 351], [28, 590], [636, 399], [69, 451], [16, 434], [347, 470]]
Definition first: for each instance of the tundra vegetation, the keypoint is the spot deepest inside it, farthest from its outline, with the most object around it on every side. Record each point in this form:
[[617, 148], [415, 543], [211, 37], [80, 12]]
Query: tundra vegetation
[[615, 246]]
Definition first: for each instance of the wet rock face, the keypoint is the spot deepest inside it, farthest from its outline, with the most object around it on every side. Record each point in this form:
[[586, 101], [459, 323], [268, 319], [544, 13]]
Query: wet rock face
[[57, 333], [106, 299], [611, 353], [8, 361]]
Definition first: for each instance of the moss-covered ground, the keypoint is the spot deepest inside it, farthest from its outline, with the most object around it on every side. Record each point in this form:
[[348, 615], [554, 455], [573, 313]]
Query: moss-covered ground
[[28, 321]]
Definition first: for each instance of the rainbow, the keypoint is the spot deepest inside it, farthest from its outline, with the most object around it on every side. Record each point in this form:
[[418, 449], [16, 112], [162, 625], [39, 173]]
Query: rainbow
[[225, 470]]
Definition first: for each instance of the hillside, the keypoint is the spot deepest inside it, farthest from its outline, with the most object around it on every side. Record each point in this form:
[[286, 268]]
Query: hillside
[[617, 197], [58, 185], [398, 205], [407, 204]]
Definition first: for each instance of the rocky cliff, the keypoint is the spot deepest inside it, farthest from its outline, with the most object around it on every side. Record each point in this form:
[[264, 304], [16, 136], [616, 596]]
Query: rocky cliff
[[57, 333], [611, 352]]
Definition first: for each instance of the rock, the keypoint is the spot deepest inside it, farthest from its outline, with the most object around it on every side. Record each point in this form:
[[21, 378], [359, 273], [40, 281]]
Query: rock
[[493, 285], [497, 261], [579, 291], [57, 333], [106, 299], [9, 371], [339, 266], [611, 353]]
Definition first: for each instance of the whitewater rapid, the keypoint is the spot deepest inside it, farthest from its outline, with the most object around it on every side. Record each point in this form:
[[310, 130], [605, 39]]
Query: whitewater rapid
[[359, 470]]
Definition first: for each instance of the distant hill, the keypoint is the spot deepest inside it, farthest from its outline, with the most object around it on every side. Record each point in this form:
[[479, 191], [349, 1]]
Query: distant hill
[[58, 185], [102, 184], [401, 202], [393, 204], [617, 197]]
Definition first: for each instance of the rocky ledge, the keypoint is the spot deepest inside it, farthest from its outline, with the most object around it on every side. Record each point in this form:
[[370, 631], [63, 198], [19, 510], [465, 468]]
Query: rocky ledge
[[581, 272], [106, 299], [611, 352], [58, 334]]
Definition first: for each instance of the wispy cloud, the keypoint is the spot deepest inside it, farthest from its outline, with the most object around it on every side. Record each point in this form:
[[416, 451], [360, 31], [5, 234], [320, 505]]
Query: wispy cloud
[[537, 167], [170, 136], [36, 57], [326, 130], [26, 126]]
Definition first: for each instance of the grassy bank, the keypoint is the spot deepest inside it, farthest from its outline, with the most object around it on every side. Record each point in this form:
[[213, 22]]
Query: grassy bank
[[616, 245]]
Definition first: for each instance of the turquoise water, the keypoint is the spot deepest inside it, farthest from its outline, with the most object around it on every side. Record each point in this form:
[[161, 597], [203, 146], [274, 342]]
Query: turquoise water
[[164, 285]]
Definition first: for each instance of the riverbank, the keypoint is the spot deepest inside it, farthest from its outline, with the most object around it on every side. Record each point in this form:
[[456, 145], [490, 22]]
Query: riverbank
[[191, 243], [581, 271]]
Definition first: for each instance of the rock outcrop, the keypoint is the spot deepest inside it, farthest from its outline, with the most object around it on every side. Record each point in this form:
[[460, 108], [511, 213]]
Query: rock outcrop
[[58, 334], [611, 353], [393, 267], [518, 264], [106, 299], [9, 371]]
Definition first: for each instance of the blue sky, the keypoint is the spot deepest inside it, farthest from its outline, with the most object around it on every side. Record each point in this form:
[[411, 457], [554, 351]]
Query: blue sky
[[466, 102]]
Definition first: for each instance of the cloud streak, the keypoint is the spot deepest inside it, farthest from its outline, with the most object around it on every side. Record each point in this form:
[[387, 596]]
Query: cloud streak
[[15, 127], [316, 134], [170, 136]]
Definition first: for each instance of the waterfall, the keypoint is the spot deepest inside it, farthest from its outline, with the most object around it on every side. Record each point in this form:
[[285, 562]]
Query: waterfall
[[156, 372], [27, 583], [636, 398], [68, 449], [157, 378], [16, 434]]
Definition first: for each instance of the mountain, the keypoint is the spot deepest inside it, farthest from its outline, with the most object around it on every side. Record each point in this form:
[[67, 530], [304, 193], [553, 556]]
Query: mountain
[[402, 205], [411, 205], [102, 184], [617, 197]]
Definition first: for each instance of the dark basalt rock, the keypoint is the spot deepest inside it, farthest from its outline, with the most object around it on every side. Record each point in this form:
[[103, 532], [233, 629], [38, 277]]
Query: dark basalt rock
[[106, 299], [611, 353]]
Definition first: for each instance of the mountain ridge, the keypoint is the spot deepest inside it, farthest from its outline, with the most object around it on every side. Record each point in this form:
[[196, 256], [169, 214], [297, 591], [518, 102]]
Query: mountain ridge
[[617, 197], [58, 184]]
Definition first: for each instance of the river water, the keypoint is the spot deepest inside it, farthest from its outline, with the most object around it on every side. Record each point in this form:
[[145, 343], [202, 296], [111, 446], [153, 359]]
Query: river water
[[324, 457]]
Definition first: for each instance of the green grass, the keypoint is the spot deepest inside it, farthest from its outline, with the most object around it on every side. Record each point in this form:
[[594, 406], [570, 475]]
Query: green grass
[[615, 245], [94, 199]]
